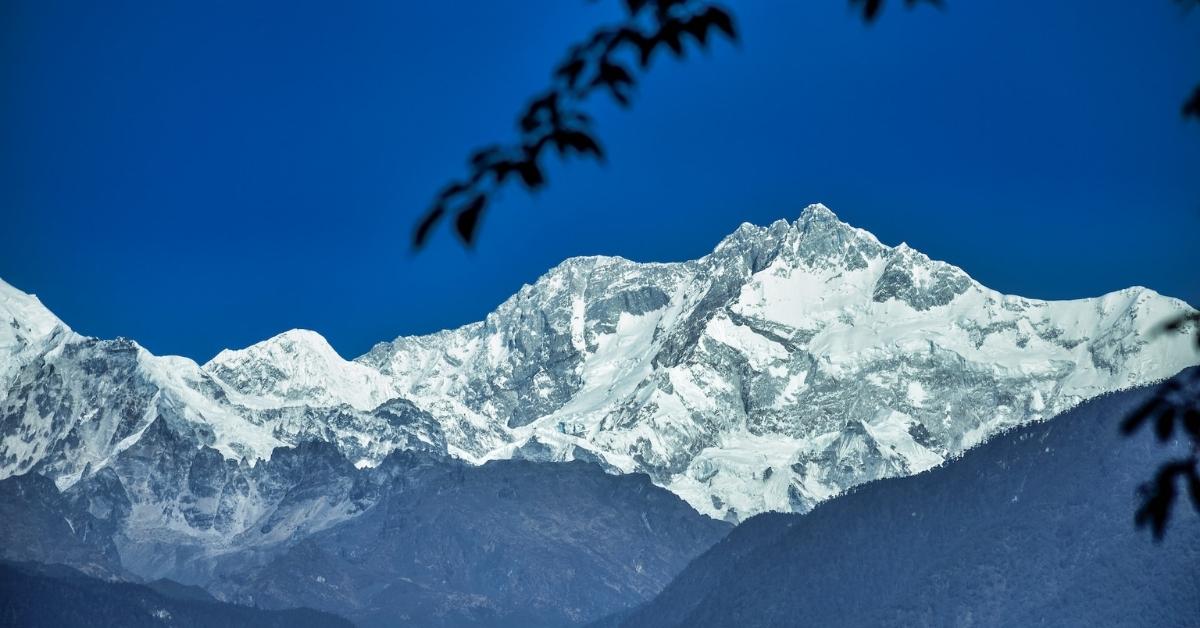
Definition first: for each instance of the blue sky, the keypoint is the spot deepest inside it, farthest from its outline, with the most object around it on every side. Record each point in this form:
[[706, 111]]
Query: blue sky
[[204, 175]]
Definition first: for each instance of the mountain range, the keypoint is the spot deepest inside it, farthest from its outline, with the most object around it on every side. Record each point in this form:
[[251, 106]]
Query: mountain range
[[793, 362], [562, 460]]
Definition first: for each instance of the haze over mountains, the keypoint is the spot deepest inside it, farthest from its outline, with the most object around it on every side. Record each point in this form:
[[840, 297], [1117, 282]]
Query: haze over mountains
[[560, 461]]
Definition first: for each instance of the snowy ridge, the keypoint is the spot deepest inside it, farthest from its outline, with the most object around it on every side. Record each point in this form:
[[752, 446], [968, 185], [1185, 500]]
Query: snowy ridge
[[25, 318], [24, 326], [793, 362]]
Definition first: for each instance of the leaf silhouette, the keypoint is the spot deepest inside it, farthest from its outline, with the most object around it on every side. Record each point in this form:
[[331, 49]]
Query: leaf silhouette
[[467, 220], [482, 157], [1177, 400], [1158, 496], [613, 74], [616, 78], [1191, 108], [452, 189], [1139, 416], [723, 22], [641, 43], [870, 9], [431, 218], [580, 142], [570, 71], [1164, 425], [697, 27], [1191, 423], [1194, 488], [544, 107], [635, 6], [531, 174], [671, 34]]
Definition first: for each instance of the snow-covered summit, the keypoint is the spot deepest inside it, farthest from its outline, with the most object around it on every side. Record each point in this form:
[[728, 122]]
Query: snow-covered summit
[[300, 367], [796, 360]]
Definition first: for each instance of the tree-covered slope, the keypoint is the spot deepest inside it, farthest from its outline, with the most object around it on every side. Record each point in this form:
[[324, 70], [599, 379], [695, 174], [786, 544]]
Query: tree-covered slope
[[509, 544], [420, 540], [39, 596], [1034, 528]]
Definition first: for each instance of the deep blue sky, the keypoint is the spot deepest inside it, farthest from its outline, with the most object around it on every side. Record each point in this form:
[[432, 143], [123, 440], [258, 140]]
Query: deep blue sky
[[205, 175]]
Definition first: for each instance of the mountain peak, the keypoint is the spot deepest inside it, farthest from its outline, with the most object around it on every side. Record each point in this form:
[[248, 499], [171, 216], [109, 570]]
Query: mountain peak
[[826, 241], [818, 212], [294, 342], [303, 340], [300, 366]]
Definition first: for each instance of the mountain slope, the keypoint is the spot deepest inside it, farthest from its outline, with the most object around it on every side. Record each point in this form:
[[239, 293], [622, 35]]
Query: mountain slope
[[1033, 528], [40, 524], [793, 362], [510, 544], [420, 540]]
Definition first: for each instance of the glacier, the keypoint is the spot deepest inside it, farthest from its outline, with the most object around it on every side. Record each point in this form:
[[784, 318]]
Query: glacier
[[795, 361]]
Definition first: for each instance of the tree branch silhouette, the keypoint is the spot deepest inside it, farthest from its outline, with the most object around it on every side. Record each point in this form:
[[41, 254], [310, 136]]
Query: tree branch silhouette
[[555, 121], [1176, 401], [1173, 408]]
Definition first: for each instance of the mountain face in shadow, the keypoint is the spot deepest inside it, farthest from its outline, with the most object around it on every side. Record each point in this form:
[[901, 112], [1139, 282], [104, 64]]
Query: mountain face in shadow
[[1034, 528], [420, 540], [37, 523], [39, 596], [512, 543]]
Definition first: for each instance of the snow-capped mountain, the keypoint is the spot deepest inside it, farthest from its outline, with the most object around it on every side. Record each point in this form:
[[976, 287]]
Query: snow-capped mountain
[[69, 403], [793, 362]]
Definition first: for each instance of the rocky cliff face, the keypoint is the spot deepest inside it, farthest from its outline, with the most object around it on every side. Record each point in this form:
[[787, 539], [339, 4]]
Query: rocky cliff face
[[791, 363]]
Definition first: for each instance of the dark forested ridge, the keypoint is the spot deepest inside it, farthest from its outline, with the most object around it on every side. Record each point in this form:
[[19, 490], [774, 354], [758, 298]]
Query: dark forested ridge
[[512, 543], [40, 596], [38, 523], [1034, 528], [421, 540]]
